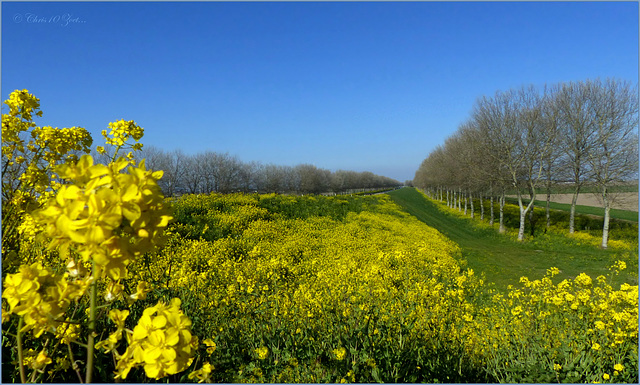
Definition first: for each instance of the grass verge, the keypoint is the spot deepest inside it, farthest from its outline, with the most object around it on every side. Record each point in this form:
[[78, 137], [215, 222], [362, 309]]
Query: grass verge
[[502, 259]]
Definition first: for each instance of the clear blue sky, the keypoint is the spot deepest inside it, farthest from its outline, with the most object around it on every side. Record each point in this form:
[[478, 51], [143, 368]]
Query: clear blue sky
[[356, 86]]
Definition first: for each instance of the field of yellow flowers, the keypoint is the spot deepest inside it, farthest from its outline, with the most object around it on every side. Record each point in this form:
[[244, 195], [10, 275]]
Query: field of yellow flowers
[[105, 279]]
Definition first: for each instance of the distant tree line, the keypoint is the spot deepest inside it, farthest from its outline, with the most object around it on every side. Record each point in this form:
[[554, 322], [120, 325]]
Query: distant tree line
[[210, 171], [529, 140]]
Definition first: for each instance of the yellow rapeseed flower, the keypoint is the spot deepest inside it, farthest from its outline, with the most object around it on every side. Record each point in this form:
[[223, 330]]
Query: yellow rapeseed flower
[[203, 374], [41, 360], [211, 345], [40, 297], [103, 212], [161, 343], [339, 353], [67, 332], [262, 352]]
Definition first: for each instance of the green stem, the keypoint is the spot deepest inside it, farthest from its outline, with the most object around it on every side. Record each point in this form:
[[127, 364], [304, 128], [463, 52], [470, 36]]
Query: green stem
[[92, 325], [23, 376], [73, 363]]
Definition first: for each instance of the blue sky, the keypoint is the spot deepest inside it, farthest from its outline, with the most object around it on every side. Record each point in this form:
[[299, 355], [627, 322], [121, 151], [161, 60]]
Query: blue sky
[[355, 86]]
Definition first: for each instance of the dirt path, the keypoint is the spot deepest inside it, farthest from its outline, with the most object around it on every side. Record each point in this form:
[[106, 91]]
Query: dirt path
[[622, 201]]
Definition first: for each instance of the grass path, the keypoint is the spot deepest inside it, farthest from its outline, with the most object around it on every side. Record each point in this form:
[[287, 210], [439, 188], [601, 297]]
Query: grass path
[[502, 260]]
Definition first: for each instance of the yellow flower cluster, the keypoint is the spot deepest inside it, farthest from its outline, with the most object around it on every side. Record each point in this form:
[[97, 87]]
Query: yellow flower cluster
[[111, 343], [22, 107], [97, 219], [318, 277], [582, 314], [28, 228], [588, 239], [121, 132], [262, 352], [161, 342], [203, 374], [258, 261], [211, 346], [22, 103], [339, 353], [108, 216], [60, 141], [68, 332], [37, 361], [41, 297], [28, 163]]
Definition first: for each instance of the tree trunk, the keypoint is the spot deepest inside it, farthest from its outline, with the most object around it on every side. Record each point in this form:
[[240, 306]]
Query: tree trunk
[[472, 209], [572, 212], [523, 215], [491, 215], [605, 227], [548, 211], [532, 222], [465, 204], [481, 208], [501, 228]]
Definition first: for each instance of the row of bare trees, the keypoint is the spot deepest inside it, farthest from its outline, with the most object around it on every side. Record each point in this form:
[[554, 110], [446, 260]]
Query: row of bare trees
[[528, 140], [210, 171]]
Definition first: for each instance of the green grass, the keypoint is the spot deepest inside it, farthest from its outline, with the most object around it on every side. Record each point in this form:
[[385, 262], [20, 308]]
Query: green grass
[[502, 260], [625, 215], [569, 189]]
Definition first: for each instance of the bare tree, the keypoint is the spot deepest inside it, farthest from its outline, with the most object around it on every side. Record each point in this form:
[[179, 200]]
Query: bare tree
[[577, 136], [273, 179], [336, 182], [171, 180], [495, 118], [614, 157], [226, 172], [191, 177], [247, 176], [551, 162], [513, 128], [170, 163], [312, 179]]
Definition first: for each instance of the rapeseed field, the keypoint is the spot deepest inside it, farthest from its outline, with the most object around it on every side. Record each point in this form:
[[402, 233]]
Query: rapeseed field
[[106, 280]]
